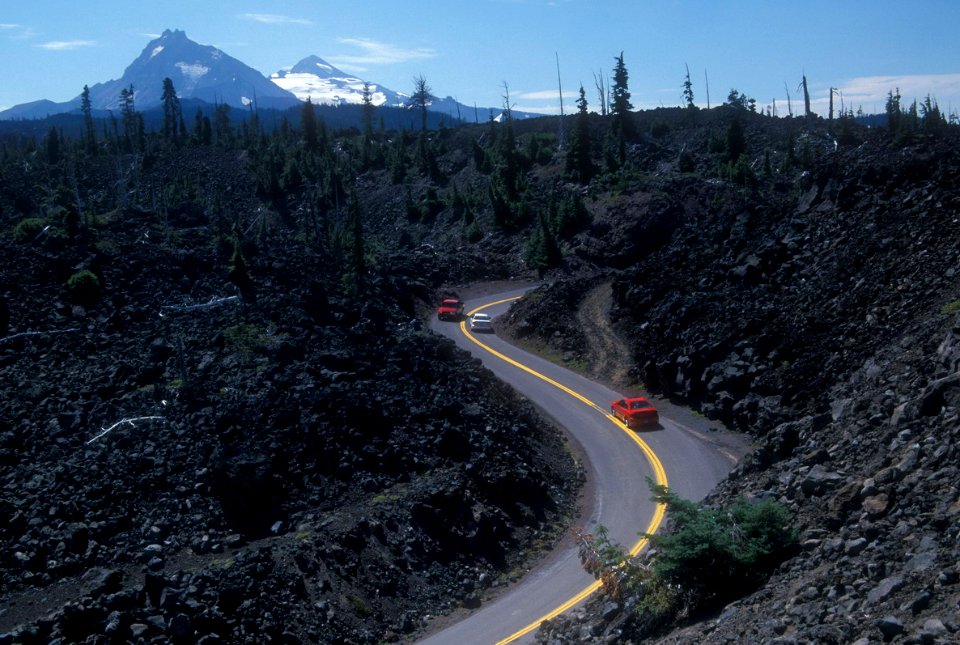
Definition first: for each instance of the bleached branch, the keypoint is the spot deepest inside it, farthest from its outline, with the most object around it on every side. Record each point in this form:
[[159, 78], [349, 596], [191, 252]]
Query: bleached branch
[[213, 302], [132, 421], [39, 333]]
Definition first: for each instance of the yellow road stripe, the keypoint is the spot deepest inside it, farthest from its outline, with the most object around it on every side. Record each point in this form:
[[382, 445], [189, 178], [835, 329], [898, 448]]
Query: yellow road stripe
[[659, 474]]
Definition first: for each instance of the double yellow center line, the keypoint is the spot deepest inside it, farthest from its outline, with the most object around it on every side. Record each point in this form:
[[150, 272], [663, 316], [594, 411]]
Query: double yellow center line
[[659, 474]]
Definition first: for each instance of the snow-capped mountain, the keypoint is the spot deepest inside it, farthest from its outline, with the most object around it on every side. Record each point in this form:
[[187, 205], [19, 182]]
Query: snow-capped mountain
[[324, 84], [200, 72]]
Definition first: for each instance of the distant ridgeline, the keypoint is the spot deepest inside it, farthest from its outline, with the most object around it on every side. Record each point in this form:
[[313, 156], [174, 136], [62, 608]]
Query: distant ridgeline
[[336, 117]]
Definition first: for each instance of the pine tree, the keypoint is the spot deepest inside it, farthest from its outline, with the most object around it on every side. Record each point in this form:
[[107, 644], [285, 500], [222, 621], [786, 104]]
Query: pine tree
[[507, 166], [171, 112], [688, 90], [358, 265], [398, 161], [52, 141], [892, 107], [202, 135], [308, 123], [933, 119], [736, 142], [578, 163], [366, 110], [239, 275], [620, 105], [542, 251], [221, 127], [89, 133], [130, 120], [421, 98]]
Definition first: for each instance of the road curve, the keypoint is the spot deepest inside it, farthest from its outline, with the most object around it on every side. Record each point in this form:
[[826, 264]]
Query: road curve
[[616, 463]]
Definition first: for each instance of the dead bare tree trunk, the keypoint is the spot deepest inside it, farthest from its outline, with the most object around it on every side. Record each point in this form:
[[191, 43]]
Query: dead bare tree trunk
[[506, 102], [806, 99], [601, 93], [789, 102], [707, 83], [561, 142]]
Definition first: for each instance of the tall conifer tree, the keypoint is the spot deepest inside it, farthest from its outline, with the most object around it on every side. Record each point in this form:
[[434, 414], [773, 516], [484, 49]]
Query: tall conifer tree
[[620, 105], [578, 164], [171, 111], [89, 133], [308, 121]]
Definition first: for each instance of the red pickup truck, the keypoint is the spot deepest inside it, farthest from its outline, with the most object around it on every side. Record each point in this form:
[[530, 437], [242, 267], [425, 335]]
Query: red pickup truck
[[450, 309]]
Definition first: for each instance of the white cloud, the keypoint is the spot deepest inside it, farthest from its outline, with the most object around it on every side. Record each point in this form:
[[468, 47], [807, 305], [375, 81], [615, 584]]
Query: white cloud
[[915, 85], [870, 92], [375, 52], [274, 19], [17, 32], [63, 45], [541, 109], [546, 95]]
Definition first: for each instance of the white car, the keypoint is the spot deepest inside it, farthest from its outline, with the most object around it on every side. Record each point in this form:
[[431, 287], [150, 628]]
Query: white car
[[481, 322]]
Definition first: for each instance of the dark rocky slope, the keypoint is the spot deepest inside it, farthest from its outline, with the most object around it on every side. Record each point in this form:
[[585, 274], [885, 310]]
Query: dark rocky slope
[[815, 310], [316, 467], [807, 296]]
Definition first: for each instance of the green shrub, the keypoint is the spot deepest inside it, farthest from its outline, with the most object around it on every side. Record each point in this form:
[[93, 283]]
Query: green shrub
[[249, 340], [27, 230], [621, 576], [84, 287], [717, 555], [659, 129], [709, 557], [951, 307], [739, 173], [474, 234]]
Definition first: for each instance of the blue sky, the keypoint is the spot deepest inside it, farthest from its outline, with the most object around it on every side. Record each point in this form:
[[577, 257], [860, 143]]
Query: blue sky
[[468, 50]]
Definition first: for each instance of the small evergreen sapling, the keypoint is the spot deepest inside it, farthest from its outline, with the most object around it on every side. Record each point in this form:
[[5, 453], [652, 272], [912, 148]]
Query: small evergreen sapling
[[84, 288]]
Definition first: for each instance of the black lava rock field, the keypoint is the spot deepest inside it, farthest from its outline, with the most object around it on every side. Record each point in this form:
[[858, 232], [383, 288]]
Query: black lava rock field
[[194, 451], [223, 420], [814, 307]]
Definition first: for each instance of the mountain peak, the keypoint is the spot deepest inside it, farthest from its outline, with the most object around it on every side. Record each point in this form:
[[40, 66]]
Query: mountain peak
[[322, 83], [172, 37], [316, 65], [198, 71]]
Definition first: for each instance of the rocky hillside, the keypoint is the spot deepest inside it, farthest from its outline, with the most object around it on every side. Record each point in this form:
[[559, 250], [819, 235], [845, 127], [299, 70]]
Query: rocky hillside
[[814, 307], [221, 437], [222, 416]]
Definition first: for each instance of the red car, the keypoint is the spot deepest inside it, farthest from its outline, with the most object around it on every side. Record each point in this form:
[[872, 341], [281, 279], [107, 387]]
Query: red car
[[450, 309], [635, 412]]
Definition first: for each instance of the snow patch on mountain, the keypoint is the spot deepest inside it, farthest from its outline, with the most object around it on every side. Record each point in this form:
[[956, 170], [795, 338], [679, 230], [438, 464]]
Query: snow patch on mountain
[[156, 50], [315, 79], [331, 90], [193, 71]]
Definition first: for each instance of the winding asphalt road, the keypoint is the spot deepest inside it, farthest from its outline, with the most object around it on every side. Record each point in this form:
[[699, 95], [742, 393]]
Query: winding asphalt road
[[690, 460]]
